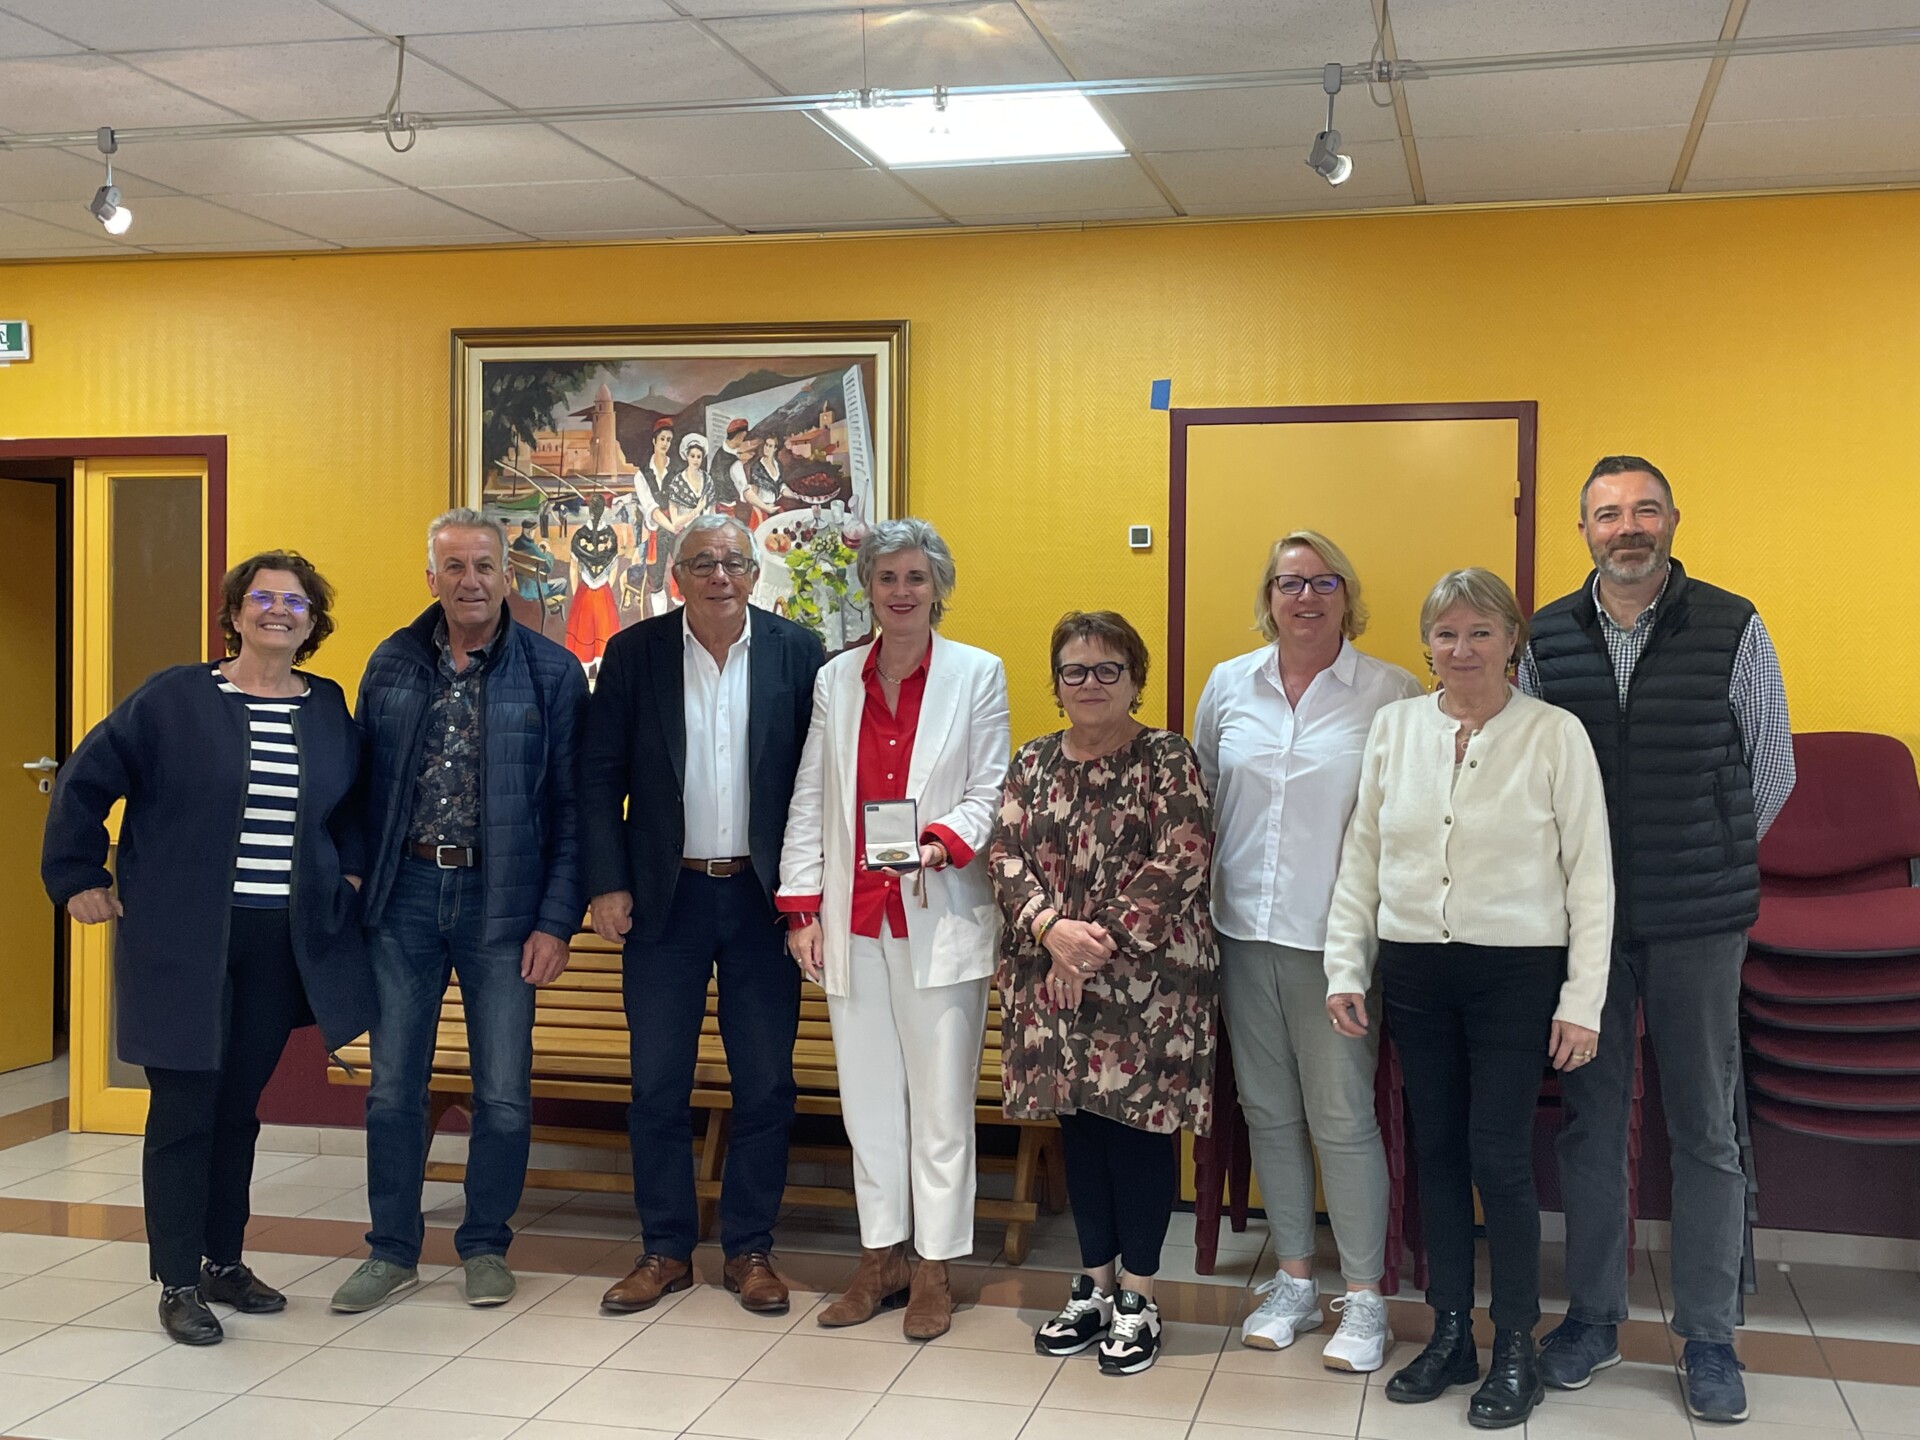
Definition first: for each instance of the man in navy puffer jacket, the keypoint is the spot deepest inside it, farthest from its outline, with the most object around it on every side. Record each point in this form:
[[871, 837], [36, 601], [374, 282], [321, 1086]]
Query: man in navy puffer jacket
[[470, 723]]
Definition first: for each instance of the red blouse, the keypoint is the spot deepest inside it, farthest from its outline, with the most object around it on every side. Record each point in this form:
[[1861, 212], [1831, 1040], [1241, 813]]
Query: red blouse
[[884, 757]]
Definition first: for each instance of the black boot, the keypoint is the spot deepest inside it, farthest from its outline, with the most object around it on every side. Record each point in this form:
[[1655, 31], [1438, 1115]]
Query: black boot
[[239, 1287], [186, 1318], [1513, 1385], [1448, 1360]]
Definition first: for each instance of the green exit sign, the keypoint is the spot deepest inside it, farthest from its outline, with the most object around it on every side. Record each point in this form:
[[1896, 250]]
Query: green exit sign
[[13, 341]]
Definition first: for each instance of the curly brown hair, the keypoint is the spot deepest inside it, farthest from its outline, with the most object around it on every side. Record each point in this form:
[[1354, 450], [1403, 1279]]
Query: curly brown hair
[[1104, 627], [239, 580]]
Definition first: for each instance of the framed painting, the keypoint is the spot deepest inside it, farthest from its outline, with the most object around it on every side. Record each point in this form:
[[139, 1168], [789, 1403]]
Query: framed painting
[[596, 448]]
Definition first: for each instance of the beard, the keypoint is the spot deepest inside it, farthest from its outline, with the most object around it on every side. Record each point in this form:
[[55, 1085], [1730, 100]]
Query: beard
[[1625, 566]]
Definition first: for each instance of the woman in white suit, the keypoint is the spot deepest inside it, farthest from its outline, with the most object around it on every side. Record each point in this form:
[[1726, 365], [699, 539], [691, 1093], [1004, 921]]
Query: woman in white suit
[[905, 959]]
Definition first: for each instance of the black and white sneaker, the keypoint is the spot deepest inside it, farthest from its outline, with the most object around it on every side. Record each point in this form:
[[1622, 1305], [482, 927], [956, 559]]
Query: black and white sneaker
[[1133, 1340], [1084, 1320]]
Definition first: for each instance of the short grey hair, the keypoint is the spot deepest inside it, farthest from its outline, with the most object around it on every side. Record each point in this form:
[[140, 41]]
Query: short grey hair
[[1482, 592], [463, 517], [710, 522], [890, 537]]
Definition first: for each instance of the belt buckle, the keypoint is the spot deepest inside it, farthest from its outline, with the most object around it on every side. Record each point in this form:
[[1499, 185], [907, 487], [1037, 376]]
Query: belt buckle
[[721, 873], [439, 856]]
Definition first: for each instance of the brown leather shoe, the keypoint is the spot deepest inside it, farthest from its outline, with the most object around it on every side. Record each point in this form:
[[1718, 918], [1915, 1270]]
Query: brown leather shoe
[[651, 1277], [880, 1282], [751, 1277], [930, 1308]]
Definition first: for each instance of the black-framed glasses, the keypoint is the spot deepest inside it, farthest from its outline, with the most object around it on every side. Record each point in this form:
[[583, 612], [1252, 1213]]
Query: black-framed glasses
[[1107, 672], [1291, 585], [705, 565], [292, 599]]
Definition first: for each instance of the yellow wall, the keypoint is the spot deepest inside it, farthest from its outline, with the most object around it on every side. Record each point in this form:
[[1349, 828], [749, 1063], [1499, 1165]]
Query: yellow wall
[[1765, 352]]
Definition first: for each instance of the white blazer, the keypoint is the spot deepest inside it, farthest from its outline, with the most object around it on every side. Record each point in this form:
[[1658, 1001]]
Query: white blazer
[[960, 756]]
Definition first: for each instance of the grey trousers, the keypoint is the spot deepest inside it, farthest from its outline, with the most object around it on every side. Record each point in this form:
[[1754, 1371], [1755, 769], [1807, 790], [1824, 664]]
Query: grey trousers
[[1298, 1076], [1691, 990]]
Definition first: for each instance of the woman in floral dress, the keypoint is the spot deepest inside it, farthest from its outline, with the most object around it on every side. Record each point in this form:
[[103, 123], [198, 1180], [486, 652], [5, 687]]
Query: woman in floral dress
[[1108, 973]]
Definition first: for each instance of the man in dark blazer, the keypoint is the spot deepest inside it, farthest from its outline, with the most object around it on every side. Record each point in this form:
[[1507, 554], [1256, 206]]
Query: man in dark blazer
[[687, 763]]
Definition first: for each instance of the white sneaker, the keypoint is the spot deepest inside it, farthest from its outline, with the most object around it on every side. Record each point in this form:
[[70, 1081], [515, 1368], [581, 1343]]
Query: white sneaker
[[1292, 1305], [1361, 1342]]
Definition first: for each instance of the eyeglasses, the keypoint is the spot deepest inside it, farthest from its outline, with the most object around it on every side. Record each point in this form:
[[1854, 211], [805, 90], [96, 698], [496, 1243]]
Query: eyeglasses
[[1107, 672], [734, 565], [264, 600], [1297, 584]]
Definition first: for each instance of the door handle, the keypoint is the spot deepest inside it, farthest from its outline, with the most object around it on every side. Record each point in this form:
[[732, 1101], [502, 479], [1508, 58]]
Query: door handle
[[45, 765]]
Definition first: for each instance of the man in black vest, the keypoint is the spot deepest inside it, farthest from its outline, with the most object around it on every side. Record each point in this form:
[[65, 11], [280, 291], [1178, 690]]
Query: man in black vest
[[1680, 690]]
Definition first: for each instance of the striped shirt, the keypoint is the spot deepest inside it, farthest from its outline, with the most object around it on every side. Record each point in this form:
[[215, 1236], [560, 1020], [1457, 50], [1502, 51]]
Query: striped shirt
[[263, 865], [1756, 692]]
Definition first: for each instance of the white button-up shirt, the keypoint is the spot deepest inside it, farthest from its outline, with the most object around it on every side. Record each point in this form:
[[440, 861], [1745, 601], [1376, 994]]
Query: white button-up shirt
[[1283, 781], [715, 791]]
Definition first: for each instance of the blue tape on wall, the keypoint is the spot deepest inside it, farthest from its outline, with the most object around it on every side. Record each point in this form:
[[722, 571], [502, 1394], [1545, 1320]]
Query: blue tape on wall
[[1162, 395]]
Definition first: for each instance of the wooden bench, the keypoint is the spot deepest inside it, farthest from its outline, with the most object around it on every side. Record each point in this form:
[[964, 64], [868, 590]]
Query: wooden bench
[[580, 1052]]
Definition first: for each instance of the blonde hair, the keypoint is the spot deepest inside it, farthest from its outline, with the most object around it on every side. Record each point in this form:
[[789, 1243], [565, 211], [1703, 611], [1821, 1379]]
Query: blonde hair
[[1482, 592], [1353, 624]]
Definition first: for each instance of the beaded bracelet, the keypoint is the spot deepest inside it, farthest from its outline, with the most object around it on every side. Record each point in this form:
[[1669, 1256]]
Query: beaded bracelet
[[1040, 935]]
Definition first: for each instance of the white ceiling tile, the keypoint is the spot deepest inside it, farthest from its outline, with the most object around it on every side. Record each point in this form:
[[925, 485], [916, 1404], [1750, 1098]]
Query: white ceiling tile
[[1110, 38], [115, 25], [1827, 83], [1836, 152], [473, 155], [22, 234], [612, 236], [801, 201], [320, 78], [718, 145], [1084, 186], [1248, 119], [84, 92], [429, 17], [597, 65], [415, 242], [18, 38], [169, 219], [1809, 17], [715, 9], [227, 247], [355, 215], [981, 44], [63, 175], [1587, 162], [259, 165], [1071, 217], [1250, 182], [1597, 97], [1437, 29], [622, 204]]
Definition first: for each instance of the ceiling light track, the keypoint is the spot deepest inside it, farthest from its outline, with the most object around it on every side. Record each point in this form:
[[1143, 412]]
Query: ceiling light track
[[1374, 71]]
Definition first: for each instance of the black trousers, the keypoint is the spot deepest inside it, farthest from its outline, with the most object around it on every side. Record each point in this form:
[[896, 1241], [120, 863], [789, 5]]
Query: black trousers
[[1121, 1183], [197, 1167], [1471, 1024]]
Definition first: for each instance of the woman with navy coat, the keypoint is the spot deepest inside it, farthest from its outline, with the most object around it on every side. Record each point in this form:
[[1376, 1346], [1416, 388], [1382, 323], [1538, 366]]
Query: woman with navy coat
[[239, 863]]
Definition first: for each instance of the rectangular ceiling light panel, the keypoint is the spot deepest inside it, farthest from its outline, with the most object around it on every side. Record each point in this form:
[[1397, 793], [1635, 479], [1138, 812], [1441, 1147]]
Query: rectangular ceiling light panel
[[980, 129]]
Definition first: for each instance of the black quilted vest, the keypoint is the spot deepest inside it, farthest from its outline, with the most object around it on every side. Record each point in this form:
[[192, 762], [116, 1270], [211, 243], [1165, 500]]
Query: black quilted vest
[[1679, 796]]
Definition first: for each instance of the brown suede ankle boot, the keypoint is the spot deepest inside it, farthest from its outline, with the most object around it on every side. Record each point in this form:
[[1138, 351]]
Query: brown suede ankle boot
[[880, 1282], [930, 1309]]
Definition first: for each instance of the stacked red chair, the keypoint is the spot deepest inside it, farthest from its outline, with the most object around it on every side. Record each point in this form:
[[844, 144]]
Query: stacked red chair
[[1832, 978]]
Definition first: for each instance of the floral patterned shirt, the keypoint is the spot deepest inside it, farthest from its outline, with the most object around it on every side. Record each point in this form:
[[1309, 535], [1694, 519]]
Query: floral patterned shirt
[[1125, 841], [446, 792]]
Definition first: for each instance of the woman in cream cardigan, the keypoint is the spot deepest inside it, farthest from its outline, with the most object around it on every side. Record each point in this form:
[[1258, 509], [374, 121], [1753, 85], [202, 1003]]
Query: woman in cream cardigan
[[1477, 868], [905, 959]]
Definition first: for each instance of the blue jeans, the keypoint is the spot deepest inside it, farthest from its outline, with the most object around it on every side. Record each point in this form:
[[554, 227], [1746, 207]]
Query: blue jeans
[[431, 929], [720, 929]]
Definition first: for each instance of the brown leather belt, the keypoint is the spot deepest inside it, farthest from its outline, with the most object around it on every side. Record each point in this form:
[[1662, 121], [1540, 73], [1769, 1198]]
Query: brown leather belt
[[447, 857], [720, 869]]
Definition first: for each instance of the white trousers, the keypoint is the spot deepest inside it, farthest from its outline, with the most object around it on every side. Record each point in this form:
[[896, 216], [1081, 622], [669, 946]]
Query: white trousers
[[909, 1062]]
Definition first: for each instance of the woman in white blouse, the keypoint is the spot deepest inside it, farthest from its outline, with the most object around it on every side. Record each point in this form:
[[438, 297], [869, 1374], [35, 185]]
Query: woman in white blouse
[[1477, 870], [1279, 735], [917, 725]]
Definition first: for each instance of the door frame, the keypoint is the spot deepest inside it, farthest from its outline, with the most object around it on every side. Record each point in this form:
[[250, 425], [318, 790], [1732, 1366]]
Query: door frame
[[1525, 412], [92, 1102]]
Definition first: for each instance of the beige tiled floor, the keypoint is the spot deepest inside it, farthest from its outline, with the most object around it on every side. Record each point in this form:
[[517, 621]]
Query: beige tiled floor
[[81, 1356]]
